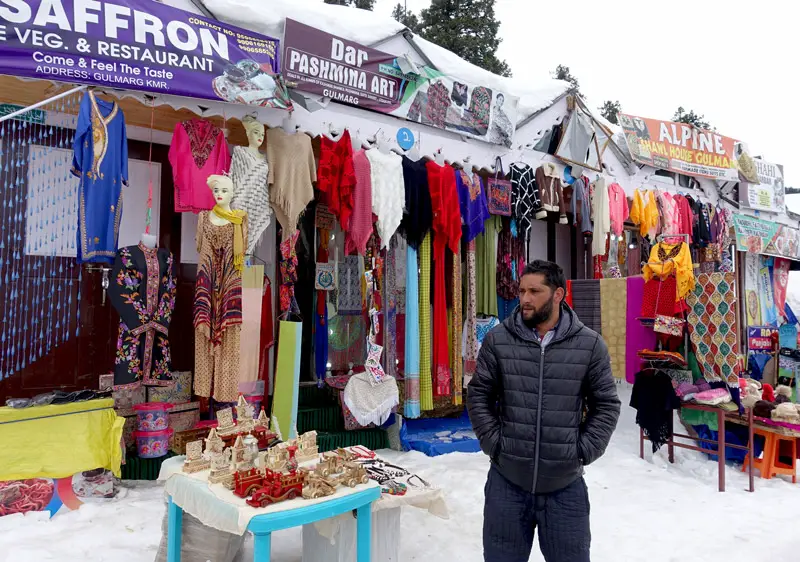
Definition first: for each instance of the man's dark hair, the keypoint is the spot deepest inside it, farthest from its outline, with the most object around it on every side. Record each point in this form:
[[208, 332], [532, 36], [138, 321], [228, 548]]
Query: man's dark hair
[[552, 272]]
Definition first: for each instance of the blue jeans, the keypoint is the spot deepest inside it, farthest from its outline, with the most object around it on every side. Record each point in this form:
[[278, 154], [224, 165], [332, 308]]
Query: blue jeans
[[511, 516]]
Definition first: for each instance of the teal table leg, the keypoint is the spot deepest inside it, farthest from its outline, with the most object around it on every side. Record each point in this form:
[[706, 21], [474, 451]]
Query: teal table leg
[[364, 533], [174, 532], [262, 544]]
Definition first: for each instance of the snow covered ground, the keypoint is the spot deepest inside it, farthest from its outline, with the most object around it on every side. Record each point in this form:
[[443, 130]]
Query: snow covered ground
[[641, 511]]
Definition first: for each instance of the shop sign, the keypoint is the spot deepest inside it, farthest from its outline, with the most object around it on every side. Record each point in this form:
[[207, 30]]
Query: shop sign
[[769, 193], [759, 338], [353, 74], [685, 149], [36, 116], [139, 45], [758, 236]]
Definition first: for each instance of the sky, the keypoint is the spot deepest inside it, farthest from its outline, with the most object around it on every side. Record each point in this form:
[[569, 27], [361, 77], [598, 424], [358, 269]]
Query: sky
[[732, 61]]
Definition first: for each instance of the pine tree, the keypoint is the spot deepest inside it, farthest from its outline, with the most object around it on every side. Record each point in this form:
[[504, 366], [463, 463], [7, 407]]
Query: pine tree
[[609, 110], [562, 73], [692, 118], [362, 4], [406, 17], [466, 27]]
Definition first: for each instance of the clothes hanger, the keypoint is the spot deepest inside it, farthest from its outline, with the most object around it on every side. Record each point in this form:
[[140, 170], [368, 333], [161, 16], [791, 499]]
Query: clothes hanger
[[253, 257], [333, 133]]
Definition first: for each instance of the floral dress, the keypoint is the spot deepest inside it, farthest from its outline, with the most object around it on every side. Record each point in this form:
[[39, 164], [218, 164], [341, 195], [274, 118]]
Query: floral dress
[[142, 291]]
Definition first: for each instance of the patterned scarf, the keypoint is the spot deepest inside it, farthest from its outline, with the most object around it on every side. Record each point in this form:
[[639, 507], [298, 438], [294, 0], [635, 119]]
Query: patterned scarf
[[235, 218]]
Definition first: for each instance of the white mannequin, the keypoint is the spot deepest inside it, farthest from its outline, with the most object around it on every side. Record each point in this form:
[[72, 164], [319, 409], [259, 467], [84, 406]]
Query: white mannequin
[[255, 135], [382, 143], [438, 158], [148, 240], [289, 124], [355, 138], [222, 188]]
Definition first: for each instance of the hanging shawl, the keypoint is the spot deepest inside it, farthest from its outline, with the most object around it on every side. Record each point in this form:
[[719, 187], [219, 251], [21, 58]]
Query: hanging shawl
[[235, 218], [370, 402], [654, 399]]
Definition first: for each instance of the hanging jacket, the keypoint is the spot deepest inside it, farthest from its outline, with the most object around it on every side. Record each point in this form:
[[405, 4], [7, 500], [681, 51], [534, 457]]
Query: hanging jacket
[[552, 194]]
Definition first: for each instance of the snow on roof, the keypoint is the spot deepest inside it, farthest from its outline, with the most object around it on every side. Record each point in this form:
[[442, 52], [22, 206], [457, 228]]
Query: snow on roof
[[368, 28]]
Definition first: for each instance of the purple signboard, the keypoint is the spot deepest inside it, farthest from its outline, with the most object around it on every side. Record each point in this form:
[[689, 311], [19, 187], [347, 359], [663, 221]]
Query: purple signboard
[[342, 70], [351, 73], [139, 45]]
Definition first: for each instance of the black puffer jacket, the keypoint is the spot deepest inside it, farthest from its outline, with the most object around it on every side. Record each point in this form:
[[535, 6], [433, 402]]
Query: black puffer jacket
[[526, 403]]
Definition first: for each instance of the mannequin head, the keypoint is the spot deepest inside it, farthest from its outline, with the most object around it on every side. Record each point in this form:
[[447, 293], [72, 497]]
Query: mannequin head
[[222, 188], [254, 130]]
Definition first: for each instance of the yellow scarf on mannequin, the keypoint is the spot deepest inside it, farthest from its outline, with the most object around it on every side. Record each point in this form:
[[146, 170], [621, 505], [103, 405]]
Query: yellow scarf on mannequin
[[235, 217]]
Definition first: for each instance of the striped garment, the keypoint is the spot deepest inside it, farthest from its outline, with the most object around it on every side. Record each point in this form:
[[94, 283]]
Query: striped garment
[[425, 379], [455, 336], [412, 409]]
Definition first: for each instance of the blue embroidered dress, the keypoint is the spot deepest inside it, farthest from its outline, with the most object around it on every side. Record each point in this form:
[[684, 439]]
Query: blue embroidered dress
[[100, 160]]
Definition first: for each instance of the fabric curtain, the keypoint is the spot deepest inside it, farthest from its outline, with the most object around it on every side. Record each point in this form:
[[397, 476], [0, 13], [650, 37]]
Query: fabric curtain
[[287, 378], [252, 297]]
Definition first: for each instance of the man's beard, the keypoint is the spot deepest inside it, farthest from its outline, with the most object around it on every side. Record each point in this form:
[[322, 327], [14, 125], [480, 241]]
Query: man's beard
[[538, 316]]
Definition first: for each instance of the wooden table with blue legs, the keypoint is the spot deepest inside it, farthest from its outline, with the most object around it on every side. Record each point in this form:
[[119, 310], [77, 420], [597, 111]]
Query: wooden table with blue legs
[[262, 526]]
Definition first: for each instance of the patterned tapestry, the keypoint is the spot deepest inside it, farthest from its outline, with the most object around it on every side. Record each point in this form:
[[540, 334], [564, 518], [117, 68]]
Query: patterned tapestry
[[712, 326]]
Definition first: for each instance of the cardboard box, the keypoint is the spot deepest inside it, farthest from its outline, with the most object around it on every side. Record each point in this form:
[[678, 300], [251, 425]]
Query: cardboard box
[[128, 398], [178, 393], [183, 417]]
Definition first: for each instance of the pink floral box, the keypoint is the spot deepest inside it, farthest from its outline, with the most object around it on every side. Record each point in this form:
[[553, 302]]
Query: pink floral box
[[177, 393]]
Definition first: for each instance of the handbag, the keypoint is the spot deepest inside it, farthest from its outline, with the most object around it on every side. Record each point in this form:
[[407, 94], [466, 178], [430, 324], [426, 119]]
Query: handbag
[[664, 324], [499, 192]]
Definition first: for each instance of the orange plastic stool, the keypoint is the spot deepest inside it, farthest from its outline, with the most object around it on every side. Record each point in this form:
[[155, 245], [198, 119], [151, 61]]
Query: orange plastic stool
[[769, 464], [763, 462]]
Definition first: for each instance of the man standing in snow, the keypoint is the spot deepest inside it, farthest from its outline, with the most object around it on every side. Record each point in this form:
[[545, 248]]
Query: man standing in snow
[[543, 404]]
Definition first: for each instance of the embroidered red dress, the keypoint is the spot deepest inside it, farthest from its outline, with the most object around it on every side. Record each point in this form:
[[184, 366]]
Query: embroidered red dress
[[447, 233], [336, 177], [198, 150]]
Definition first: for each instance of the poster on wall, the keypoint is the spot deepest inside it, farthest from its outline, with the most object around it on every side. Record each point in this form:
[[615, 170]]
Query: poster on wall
[[751, 278], [685, 149], [769, 193], [758, 236], [347, 72], [140, 45], [766, 296]]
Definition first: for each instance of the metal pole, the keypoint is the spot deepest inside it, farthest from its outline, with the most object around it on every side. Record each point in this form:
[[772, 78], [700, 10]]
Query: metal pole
[[41, 103]]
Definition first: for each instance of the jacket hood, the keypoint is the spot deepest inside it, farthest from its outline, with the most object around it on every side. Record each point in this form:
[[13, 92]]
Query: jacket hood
[[568, 325]]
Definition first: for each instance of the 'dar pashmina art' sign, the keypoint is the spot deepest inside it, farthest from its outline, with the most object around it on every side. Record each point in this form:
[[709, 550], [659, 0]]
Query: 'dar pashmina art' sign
[[685, 149], [139, 45], [351, 73]]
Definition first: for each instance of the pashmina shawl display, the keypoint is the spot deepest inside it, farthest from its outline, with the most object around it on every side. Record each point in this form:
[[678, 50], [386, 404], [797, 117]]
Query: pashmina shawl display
[[359, 230], [447, 233], [473, 205], [236, 218], [337, 178], [654, 400], [418, 215], [251, 177], [388, 193], [291, 161]]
